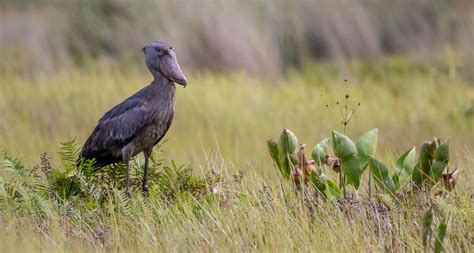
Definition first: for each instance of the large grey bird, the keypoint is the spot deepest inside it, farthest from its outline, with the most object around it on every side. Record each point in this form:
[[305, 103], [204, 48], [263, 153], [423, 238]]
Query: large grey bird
[[140, 122]]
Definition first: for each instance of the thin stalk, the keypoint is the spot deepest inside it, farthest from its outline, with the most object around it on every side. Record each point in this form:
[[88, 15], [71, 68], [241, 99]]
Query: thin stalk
[[346, 111], [370, 186], [446, 181], [344, 186], [340, 179]]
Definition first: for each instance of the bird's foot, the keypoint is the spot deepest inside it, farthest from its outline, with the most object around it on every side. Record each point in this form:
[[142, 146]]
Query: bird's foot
[[145, 191]]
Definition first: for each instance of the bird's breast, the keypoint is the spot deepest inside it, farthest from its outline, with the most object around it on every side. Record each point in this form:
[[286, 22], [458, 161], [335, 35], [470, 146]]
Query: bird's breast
[[160, 124]]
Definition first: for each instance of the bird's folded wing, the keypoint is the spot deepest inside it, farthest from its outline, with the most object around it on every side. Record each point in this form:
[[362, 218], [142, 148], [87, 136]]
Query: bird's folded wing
[[118, 126]]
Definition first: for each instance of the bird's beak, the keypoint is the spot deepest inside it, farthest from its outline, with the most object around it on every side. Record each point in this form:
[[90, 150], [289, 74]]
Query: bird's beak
[[174, 72], [181, 81]]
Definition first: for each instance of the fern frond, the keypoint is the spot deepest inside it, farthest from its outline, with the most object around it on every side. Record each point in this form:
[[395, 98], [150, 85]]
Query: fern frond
[[69, 153]]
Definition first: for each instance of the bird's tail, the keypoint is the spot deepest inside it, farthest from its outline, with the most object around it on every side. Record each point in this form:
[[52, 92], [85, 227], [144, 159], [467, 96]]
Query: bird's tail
[[94, 164]]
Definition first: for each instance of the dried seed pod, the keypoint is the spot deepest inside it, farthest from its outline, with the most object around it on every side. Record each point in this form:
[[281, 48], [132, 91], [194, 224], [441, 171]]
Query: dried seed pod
[[334, 163], [307, 166], [296, 176], [449, 180]]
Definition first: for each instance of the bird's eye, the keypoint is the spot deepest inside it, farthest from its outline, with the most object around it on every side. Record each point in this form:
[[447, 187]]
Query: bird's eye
[[161, 51]]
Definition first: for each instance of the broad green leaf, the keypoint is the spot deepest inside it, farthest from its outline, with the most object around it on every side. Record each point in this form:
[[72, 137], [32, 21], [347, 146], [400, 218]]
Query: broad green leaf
[[325, 186], [396, 181], [346, 151], [381, 175], [417, 176], [441, 159], [442, 231], [437, 169], [427, 151], [288, 142], [273, 150], [426, 226], [318, 182], [442, 152], [320, 151], [343, 146], [352, 170], [287, 150], [366, 146], [404, 167], [332, 190]]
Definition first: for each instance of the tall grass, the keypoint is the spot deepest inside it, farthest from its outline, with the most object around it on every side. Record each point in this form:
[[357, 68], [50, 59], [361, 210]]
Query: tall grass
[[234, 113], [242, 213], [221, 125]]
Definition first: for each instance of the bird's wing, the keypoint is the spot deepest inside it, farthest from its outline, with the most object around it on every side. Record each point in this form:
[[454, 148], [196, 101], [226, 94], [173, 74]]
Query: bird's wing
[[117, 128]]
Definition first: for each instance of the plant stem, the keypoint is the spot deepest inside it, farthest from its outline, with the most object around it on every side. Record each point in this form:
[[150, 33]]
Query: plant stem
[[340, 179], [370, 186], [346, 110], [344, 186]]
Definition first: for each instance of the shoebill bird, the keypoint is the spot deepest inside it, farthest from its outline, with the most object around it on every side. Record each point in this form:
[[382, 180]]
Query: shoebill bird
[[140, 121]]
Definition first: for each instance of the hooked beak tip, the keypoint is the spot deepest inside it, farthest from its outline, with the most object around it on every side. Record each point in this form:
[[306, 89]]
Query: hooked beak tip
[[183, 82]]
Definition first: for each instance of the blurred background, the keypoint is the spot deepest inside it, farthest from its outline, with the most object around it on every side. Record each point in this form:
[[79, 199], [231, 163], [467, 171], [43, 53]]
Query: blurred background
[[262, 37], [254, 67]]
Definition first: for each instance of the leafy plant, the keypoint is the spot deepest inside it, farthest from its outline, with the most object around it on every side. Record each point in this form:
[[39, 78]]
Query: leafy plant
[[440, 235], [351, 160], [433, 160], [404, 167], [426, 226], [381, 174], [427, 231], [346, 150], [284, 152], [87, 188], [325, 186], [351, 157], [287, 150], [320, 151]]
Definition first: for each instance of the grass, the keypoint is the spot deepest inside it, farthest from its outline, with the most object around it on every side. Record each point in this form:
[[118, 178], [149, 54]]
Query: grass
[[220, 129]]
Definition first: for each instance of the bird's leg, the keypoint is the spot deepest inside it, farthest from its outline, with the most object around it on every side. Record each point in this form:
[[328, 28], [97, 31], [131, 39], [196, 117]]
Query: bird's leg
[[146, 153], [127, 152], [127, 182]]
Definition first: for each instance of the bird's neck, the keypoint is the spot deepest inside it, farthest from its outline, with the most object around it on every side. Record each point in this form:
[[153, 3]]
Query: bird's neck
[[163, 88], [159, 79], [157, 76]]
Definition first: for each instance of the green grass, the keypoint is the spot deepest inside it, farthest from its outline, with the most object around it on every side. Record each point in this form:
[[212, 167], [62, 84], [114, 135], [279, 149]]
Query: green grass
[[221, 125]]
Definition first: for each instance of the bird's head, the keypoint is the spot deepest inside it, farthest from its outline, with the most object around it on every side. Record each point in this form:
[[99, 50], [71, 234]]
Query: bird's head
[[161, 58]]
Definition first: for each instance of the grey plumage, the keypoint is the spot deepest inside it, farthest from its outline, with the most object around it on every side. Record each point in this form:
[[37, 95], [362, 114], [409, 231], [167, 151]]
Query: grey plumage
[[141, 121]]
